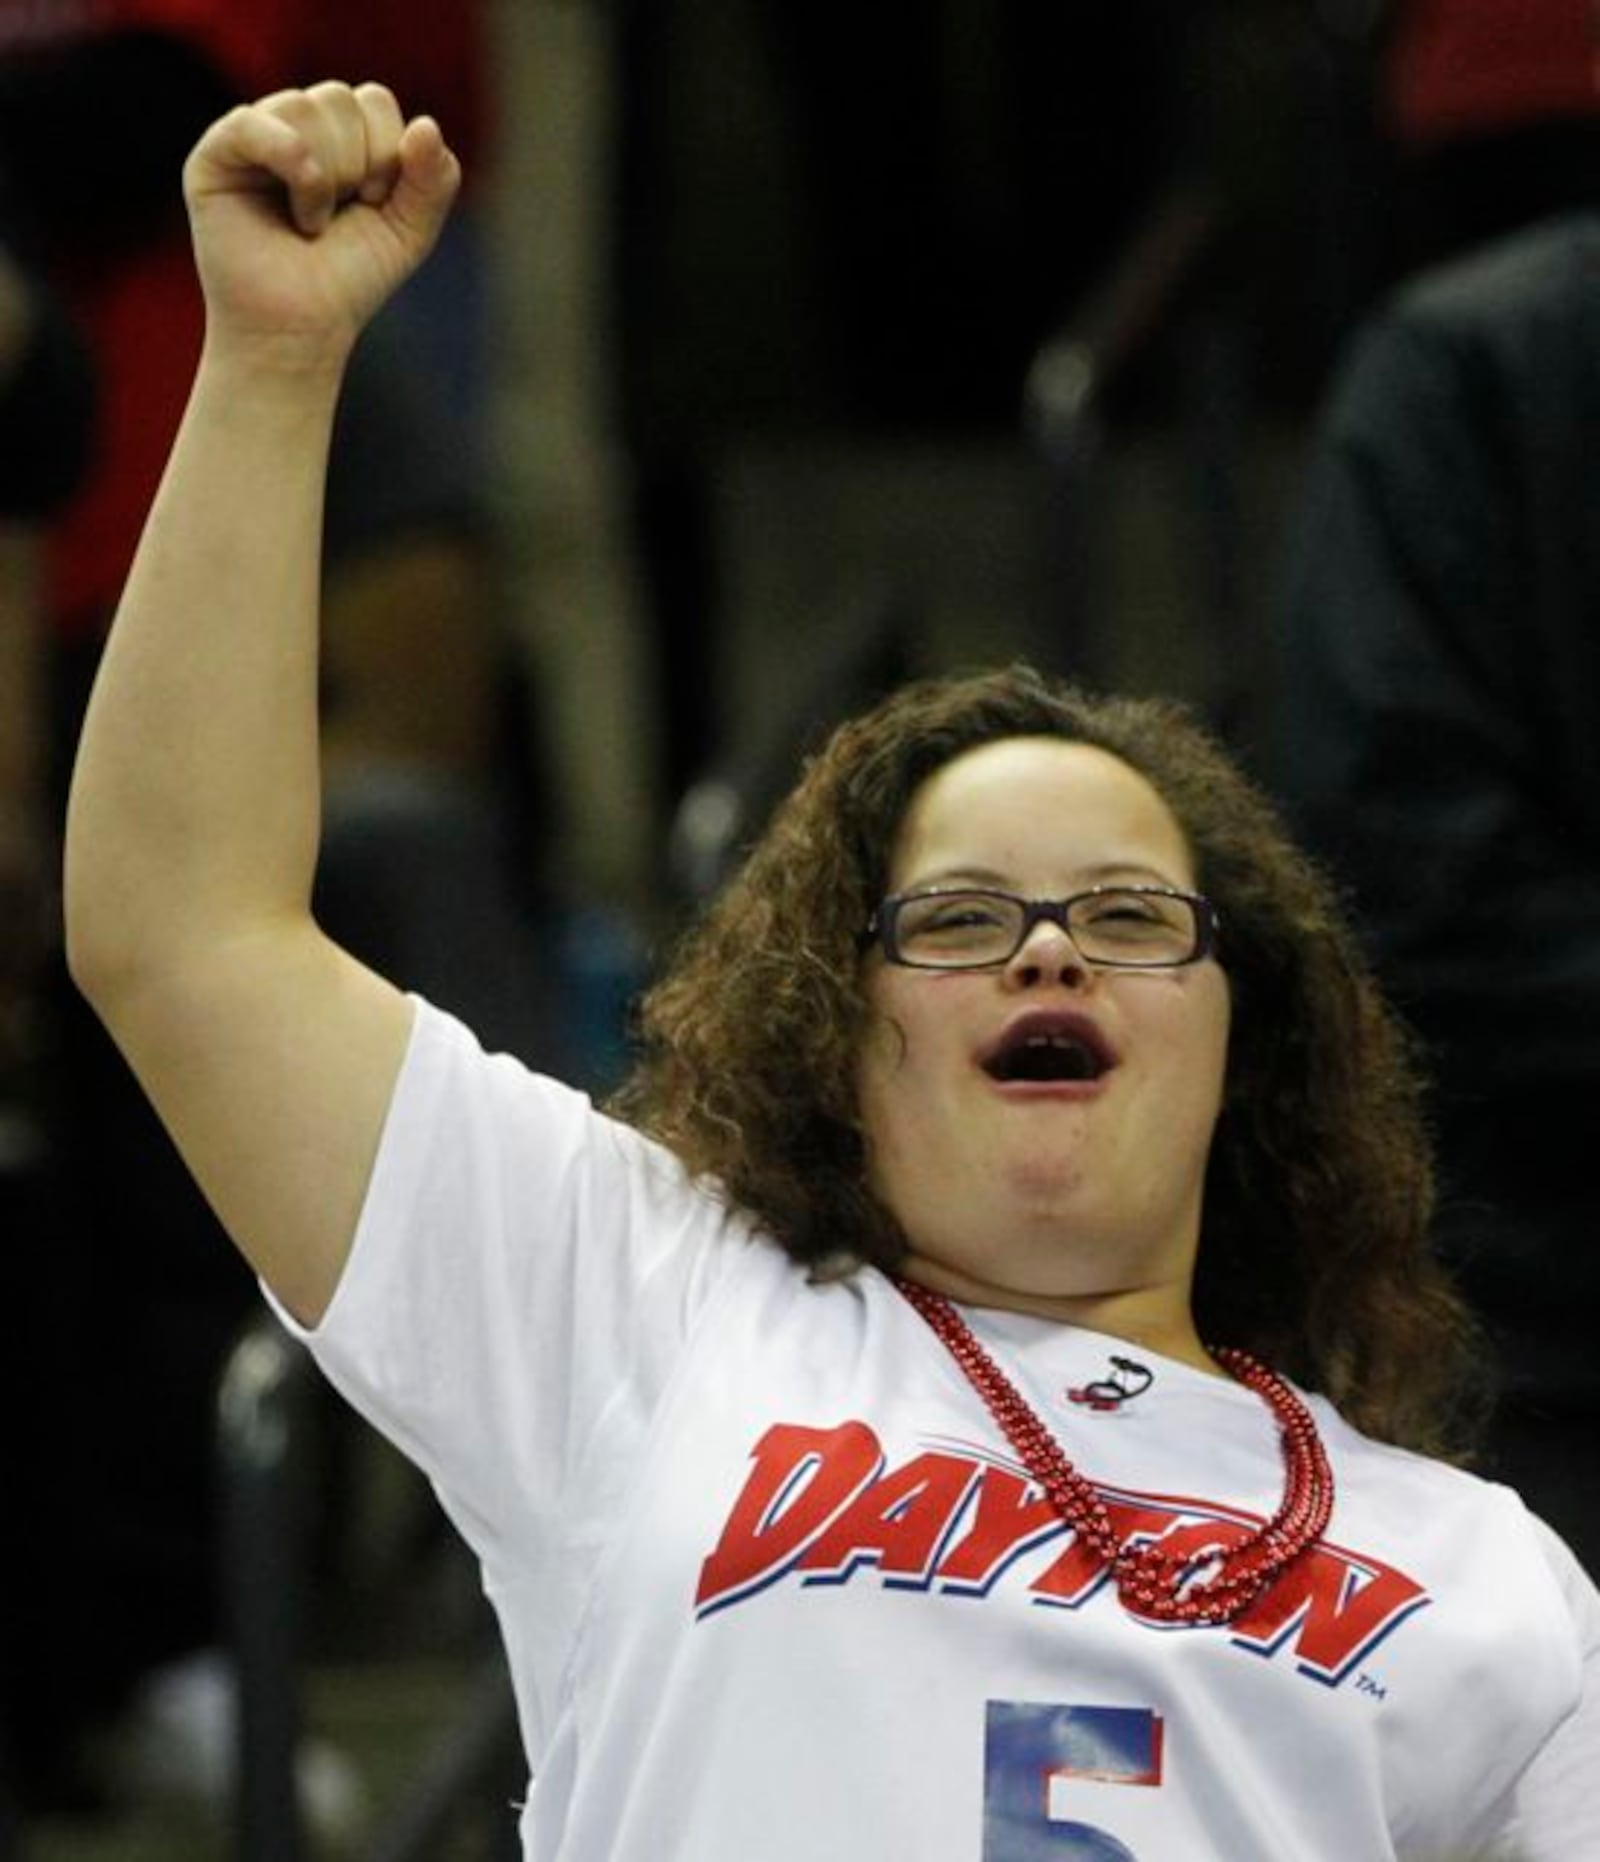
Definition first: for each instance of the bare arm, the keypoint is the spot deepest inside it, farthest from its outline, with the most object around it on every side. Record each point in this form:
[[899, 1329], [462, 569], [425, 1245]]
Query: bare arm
[[192, 828]]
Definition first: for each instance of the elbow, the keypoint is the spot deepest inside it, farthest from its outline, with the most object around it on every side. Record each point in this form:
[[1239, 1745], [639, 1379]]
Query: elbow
[[105, 953], [99, 969], [87, 919]]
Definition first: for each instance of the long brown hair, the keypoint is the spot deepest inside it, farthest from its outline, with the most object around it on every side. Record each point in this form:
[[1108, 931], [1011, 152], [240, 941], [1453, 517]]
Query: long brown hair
[[1319, 1191]]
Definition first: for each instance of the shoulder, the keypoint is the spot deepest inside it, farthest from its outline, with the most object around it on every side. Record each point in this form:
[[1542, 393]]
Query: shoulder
[[1464, 1532], [492, 1173], [1505, 314], [1392, 1473], [1553, 263], [451, 1082], [1557, 1811]]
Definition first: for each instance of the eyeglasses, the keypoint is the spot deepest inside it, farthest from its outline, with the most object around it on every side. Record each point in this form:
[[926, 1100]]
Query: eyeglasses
[[1112, 927]]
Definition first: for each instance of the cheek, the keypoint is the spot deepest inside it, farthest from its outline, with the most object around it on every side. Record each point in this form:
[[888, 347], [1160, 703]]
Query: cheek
[[898, 1071], [881, 1064], [1222, 1029], [1206, 1045], [913, 1058], [884, 1046], [910, 1039], [1186, 1031]]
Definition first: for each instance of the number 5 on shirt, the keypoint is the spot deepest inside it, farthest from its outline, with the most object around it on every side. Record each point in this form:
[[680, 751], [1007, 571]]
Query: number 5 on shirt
[[1041, 1766]]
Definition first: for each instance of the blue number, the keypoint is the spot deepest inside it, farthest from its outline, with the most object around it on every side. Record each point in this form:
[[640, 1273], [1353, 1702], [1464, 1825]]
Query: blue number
[[1032, 1754]]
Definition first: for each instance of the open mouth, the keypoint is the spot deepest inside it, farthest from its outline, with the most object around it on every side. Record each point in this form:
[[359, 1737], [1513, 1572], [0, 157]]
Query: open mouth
[[1045, 1053]]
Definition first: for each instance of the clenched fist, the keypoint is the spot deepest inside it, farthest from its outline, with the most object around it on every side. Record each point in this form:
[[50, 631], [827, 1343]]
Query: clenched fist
[[309, 209]]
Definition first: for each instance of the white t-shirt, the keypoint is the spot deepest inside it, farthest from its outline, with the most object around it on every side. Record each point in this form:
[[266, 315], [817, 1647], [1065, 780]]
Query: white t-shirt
[[773, 1589]]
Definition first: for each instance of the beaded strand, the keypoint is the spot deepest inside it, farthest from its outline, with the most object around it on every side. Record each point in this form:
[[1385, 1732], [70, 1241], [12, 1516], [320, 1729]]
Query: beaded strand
[[1153, 1583]]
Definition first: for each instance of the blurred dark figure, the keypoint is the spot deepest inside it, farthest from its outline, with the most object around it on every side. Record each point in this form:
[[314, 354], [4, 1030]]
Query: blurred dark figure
[[46, 394], [45, 410], [837, 220], [1439, 738], [428, 766], [46, 406]]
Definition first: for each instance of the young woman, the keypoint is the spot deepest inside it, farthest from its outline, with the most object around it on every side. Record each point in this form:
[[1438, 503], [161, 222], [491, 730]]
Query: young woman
[[876, 1437]]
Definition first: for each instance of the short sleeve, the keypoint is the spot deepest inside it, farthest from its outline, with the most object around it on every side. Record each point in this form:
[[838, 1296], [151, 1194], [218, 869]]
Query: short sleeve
[[524, 1269], [1557, 1805]]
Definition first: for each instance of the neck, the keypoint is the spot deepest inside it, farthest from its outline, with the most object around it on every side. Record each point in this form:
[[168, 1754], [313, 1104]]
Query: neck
[[1154, 1318]]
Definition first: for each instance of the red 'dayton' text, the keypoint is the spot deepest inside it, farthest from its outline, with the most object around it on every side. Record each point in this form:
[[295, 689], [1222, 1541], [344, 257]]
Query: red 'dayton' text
[[819, 1505]]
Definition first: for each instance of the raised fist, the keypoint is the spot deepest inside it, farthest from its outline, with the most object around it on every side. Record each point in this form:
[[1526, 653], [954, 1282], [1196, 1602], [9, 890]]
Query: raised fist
[[309, 209]]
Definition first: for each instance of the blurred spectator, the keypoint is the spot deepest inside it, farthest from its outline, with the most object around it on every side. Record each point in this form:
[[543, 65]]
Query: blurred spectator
[[45, 409], [1439, 737], [45, 394], [835, 219], [113, 233], [837, 222], [45, 406], [428, 766]]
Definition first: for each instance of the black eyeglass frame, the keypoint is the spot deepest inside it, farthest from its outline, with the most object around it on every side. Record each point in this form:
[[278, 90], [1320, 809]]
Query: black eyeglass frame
[[882, 928]]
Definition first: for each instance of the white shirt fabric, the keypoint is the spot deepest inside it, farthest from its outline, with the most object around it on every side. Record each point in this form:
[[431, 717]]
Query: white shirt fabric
[[773, 1588]]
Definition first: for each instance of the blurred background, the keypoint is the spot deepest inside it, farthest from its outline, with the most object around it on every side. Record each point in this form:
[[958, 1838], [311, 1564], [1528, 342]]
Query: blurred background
[[775, 353]]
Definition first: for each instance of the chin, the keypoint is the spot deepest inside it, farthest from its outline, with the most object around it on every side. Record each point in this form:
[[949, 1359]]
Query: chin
[[1042, 1186]]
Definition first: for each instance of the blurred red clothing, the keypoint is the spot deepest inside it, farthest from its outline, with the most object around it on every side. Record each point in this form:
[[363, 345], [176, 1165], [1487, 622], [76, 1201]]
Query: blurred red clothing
[[1467, 68], [432, 56], [139, 306]]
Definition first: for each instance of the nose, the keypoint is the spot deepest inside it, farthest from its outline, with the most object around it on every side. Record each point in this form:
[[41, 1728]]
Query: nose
[[1048, 955]]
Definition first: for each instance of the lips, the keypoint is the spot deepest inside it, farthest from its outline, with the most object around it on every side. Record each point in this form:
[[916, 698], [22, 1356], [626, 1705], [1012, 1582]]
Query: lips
[[1046, 1047]]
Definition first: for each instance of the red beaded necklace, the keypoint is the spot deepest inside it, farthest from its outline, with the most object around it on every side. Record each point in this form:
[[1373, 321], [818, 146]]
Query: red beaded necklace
[[1210, 1585]]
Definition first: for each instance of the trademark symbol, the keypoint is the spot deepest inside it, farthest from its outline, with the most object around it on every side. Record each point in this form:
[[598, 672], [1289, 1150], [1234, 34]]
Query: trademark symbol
[[1366, 1685]]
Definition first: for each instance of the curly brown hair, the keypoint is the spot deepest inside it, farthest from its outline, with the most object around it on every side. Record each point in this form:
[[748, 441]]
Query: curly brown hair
[[1319, 1192]]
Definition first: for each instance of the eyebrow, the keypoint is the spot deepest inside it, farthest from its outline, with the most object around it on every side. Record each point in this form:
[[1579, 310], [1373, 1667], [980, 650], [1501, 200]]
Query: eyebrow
[[1132, 872]]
